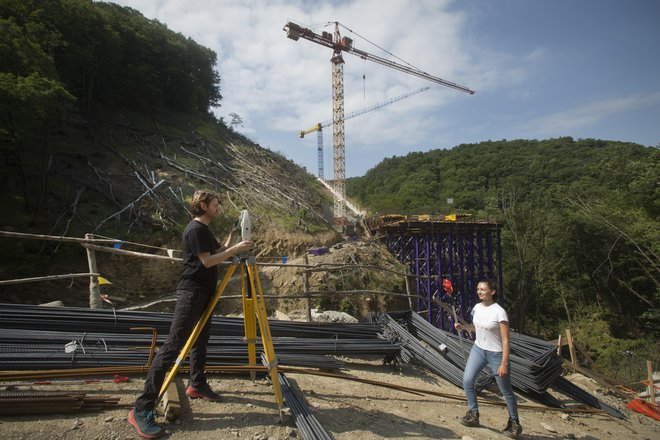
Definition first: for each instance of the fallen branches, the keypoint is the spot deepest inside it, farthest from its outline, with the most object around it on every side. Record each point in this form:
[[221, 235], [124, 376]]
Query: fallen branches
[[129, 206]]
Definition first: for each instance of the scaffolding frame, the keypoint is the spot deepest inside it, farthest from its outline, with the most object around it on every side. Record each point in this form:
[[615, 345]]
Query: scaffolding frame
[[461, 251]]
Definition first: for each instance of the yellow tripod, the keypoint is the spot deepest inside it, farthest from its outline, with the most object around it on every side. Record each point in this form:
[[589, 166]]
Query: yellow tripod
[[253, 306]]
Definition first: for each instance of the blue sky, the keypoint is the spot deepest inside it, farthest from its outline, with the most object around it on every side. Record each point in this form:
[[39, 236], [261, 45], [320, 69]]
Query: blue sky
[[541, 69]]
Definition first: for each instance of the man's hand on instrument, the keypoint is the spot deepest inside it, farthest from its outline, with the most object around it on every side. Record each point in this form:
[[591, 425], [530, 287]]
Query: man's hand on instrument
[[242, 246]]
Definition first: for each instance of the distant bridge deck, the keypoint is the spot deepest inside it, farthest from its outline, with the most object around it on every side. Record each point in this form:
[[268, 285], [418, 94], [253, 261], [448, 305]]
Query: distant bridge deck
[[391, 224]]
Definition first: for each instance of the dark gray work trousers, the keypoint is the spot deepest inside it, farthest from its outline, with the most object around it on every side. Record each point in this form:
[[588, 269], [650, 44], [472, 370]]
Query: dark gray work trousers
[[190, 306]]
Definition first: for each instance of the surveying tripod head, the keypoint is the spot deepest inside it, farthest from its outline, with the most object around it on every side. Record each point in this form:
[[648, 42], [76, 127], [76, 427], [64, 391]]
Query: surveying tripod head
[[245, 227]]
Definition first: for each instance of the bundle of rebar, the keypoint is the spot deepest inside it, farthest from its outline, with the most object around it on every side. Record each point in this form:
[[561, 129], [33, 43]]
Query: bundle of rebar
[[51, 402], [308, 425], [570, 389], [21, 316], [534, 363], [41, 350], [424, 353]]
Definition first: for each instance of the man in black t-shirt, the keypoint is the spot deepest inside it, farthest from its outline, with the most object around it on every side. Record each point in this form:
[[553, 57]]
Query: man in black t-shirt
[[201, 255]]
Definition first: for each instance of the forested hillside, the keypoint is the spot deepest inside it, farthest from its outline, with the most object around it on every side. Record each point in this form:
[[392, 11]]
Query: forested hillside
[[78, 53], [580, 240], [106, 128], [97, 104]]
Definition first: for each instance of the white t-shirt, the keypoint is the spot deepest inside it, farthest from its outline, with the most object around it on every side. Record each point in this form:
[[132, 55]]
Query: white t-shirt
[[486, 321]]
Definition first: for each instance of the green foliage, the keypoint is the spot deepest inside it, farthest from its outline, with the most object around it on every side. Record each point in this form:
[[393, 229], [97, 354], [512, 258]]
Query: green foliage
[[104, 54], [325, 302], [624, 359], [580, 221], [346, 306]]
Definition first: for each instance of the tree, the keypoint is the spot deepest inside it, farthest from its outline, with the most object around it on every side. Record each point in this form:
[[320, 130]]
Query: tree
[[236, 120]]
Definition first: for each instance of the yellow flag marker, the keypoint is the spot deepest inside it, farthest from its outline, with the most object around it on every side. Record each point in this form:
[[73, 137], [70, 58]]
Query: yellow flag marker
[[103, 281]]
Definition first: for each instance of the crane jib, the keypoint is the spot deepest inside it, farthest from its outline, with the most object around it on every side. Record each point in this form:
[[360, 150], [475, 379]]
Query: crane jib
[[295, 31]]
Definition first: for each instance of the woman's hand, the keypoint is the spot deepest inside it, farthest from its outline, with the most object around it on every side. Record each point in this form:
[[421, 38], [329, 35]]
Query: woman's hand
[[458, 326], [502, 371]]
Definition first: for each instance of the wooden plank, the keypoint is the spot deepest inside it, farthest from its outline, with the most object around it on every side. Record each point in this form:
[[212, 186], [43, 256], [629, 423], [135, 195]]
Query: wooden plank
[[170, 404], [48, 278], [308, 303], [571, 348], [651, 387], [559, 345], [112, 250], [94, 289]]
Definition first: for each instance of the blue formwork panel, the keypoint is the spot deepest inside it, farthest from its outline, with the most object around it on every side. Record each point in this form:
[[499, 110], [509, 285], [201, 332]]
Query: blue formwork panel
[[460, 251]]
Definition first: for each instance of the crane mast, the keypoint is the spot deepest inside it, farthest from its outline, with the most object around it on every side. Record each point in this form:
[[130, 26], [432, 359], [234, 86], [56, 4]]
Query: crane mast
[[339, 45], [318, 128], [339, 162]]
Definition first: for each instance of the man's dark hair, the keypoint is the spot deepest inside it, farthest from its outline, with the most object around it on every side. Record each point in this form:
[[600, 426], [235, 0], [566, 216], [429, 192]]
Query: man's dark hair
[[201, 196]]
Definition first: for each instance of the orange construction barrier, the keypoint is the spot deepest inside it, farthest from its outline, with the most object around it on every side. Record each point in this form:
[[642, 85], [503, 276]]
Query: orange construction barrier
[[644, 407]]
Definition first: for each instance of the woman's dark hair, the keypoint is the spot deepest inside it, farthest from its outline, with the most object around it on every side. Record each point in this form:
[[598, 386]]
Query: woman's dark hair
[[492, 285], [201, 196]]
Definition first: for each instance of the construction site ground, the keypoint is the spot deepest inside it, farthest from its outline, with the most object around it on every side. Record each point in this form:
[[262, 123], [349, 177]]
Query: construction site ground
[[347, 409]]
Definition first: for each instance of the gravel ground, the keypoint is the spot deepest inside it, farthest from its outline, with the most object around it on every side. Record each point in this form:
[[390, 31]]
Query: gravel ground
[[347, 409]]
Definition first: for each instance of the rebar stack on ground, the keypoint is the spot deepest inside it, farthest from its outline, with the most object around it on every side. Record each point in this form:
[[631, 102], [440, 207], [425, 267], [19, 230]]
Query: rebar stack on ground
[[20, 316], [534, 363], [41, 350], [417, 352], [46, 338], [570, 389], [51, 402], [308, 425]]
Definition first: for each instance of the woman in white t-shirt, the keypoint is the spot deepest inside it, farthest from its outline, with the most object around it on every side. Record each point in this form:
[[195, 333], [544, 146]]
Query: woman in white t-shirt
[[491, 346]]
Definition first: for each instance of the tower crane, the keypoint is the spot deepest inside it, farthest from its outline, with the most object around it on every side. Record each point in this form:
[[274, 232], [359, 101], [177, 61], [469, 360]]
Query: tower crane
[[339, 45], [318, 128]]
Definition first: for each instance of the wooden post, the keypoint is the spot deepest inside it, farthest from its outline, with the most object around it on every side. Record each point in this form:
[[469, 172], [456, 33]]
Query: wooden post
[[408, 289], [94, 289], [571, 348], [559, 345], [649, 370], [308, 305]]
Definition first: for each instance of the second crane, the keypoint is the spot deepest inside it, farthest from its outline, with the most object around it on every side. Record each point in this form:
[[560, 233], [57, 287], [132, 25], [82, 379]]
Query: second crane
[[318, 128]]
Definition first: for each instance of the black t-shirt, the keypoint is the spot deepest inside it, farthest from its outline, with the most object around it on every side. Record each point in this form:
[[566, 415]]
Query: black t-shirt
[[197, 239]]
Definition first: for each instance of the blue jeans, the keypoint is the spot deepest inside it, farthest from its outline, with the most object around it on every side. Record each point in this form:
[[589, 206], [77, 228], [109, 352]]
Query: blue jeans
[[476, 362]]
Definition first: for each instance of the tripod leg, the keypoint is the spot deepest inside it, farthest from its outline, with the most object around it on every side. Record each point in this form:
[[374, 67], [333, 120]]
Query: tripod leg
[[249, 323], [195, 333], [266, 338]]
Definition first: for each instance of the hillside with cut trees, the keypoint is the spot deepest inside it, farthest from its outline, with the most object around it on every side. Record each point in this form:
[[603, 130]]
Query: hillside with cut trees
[[106, 128]]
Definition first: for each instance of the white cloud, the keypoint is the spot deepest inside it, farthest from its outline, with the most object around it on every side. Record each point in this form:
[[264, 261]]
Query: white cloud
[[536, 54], [279, 86], [263, 72], [587, 115]]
